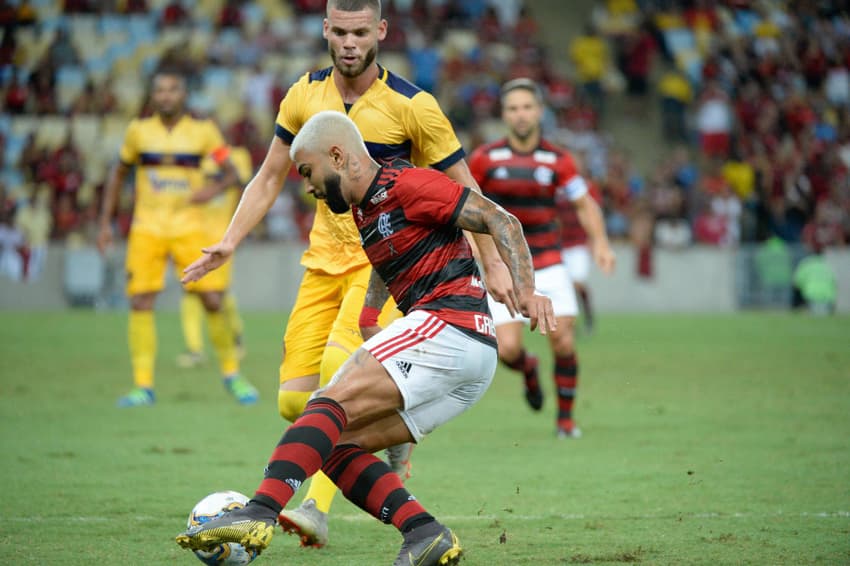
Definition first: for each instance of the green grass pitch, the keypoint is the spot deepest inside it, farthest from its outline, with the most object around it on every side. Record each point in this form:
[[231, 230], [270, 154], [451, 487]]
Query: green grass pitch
[[707, 440]]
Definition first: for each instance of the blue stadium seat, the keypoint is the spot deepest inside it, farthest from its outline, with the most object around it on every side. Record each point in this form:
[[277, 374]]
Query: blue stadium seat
[[114, 23], [14, 147], [142, 27], [218, 78], [12, 178]]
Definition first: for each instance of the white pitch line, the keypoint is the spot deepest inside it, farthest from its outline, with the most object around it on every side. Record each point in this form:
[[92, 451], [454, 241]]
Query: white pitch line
[[363, 517]]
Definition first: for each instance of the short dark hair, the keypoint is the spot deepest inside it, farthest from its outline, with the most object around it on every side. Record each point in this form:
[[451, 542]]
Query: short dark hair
[[356, 6], [522, 84], [172, 71]]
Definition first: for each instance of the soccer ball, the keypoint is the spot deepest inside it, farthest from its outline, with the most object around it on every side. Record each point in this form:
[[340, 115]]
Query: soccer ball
[[211, 507]]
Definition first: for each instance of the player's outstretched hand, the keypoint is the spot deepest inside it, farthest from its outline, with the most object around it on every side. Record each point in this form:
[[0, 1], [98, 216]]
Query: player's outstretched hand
[[214, 257], [605, 258], [501, 286], [539, 311]]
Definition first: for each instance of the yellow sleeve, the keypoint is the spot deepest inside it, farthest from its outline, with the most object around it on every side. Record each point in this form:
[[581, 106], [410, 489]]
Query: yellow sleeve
[[213, 140], [129, 152], [434, 141], [290, 114], [241, 159]]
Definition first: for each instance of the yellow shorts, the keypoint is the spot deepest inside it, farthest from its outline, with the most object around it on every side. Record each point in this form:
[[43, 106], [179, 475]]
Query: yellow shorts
[[327, 309], [147, 259]]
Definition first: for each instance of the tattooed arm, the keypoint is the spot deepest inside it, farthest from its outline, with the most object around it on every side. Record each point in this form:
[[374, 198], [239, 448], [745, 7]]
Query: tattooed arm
[[481, 215], [377, 296]]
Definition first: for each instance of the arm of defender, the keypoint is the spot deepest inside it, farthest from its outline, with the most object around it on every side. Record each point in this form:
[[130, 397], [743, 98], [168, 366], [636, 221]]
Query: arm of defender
[[257, 199], [110, 200], [213, 188], [482, 216]]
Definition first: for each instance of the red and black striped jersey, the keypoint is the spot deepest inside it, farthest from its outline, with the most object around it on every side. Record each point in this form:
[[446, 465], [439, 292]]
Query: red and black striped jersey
[[572, 232], [406, 223], [527, 184]]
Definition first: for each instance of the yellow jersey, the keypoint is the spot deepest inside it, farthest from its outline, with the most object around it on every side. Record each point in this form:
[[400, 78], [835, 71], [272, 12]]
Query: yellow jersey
[[396, 119], [168, 171], [219, 210], [590, 56]]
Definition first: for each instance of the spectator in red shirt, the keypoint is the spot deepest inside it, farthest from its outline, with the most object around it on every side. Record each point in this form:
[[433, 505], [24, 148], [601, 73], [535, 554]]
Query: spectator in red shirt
[[174, 14], [230, 15]]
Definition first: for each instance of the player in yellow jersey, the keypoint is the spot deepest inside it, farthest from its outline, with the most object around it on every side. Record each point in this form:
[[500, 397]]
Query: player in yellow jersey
[[396, 119], [219, 211], [166, 150]]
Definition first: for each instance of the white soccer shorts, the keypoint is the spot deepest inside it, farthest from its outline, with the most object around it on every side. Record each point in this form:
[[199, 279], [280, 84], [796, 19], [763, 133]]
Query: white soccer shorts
[[554, 282], [440, 371], [577, 260]]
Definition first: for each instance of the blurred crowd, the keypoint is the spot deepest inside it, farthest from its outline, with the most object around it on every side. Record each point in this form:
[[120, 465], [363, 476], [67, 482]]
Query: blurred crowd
[[752, 103], [754, 109]]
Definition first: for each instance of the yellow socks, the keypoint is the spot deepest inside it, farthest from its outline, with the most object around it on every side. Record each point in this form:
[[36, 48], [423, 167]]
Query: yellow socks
[[141, 335], [191, 318], [323, 490], [221, 336], [291, 404], [332, 359], [231, 311]]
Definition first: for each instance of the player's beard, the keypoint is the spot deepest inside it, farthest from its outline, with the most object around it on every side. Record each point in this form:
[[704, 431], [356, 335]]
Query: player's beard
[[357, 70], [524, 134], [169, 111], [333, 194]]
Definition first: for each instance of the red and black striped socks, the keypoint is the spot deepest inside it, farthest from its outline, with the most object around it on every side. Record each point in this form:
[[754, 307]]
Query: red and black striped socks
[[301, 452], [566, 380], [369, 483], [527, 365]]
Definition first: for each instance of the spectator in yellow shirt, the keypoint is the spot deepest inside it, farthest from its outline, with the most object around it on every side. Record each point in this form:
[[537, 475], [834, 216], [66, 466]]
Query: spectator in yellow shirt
[[589, 54]]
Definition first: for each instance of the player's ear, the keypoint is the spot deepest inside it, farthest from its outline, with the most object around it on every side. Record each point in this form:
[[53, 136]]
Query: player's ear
[[337, 156], [325, 27], [382, 29]]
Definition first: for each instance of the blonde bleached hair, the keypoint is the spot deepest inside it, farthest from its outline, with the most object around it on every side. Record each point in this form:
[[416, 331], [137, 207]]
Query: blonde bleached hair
[[325, 129]]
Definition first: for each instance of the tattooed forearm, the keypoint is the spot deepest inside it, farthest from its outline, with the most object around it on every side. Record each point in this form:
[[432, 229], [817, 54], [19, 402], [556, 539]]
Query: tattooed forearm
[[377, 293], [510, 241], [480, 214]]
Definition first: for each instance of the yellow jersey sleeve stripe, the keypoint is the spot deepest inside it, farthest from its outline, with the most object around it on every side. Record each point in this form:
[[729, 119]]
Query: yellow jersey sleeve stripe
[[444, 164], [285, 135]]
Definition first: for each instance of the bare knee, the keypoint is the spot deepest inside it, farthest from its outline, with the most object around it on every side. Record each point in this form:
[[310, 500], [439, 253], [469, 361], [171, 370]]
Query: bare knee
[[509, 344], [212, 300], [142, 301], [563, 342]]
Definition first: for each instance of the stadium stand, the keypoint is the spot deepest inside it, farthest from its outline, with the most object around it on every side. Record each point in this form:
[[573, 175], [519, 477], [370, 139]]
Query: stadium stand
[[707, 123]]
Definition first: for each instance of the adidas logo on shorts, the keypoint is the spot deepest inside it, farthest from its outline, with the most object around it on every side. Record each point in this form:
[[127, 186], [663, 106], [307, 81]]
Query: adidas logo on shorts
[[405, 367]]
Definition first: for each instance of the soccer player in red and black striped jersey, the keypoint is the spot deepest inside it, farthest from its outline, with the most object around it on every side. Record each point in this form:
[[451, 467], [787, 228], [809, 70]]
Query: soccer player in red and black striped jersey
[[575, 254], [412, 376], [528, 176]]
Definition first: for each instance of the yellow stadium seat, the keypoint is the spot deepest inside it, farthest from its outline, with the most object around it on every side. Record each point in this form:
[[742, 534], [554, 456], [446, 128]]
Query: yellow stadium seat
[[85, 131], [52, 131]]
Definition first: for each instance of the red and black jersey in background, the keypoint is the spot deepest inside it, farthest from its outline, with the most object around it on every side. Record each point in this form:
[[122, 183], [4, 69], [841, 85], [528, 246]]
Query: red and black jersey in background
[[406, 223], [526, 184], [572, 233]]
